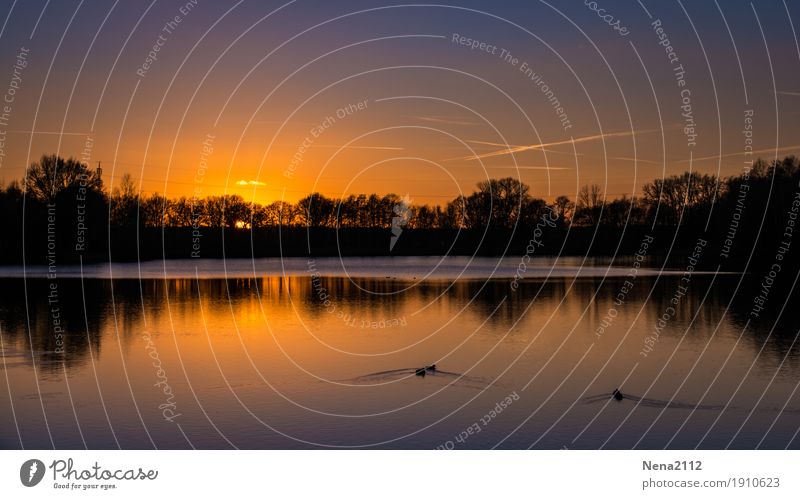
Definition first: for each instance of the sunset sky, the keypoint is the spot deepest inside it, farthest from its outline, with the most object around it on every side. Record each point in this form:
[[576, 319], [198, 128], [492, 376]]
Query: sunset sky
[[382, 96]]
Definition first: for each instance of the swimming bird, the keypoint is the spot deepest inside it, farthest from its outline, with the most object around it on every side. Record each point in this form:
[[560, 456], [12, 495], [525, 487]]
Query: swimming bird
[[617, 394]]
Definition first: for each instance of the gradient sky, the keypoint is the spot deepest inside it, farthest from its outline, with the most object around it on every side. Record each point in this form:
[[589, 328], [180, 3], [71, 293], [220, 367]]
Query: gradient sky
[[437, 115]]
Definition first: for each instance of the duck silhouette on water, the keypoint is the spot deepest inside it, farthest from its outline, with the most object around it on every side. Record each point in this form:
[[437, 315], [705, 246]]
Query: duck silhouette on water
[[649, 402], [432, 369]]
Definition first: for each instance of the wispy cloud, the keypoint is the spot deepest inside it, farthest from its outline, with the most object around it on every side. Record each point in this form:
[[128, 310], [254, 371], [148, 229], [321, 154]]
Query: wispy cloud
[[380, 148], [732, 154], [282, 122], [40, 132], [250, 182], [512, 167], [446, 120], [532, 147]]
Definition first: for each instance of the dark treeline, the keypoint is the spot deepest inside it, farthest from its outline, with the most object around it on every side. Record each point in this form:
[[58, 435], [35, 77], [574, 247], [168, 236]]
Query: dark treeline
[[62, 211]]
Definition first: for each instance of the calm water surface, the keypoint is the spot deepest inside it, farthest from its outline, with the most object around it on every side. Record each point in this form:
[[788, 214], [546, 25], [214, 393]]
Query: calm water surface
[[322, 353]]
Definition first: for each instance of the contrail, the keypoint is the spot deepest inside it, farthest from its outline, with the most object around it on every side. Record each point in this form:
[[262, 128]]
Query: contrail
[[516, 149], [759, 151], [639, 160], [497, 144]]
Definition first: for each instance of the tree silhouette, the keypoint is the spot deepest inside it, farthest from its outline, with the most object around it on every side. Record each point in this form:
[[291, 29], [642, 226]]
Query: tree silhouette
[[752, 206], [589, 206], [690, 191], [52, 175], [124, 203]]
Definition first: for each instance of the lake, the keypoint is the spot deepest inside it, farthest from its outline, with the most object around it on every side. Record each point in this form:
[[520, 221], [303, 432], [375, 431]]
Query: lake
[[310, 353]]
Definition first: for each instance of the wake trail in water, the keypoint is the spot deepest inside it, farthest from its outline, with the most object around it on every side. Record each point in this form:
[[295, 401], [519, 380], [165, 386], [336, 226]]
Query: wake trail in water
[[655, 403], [410, 372]]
